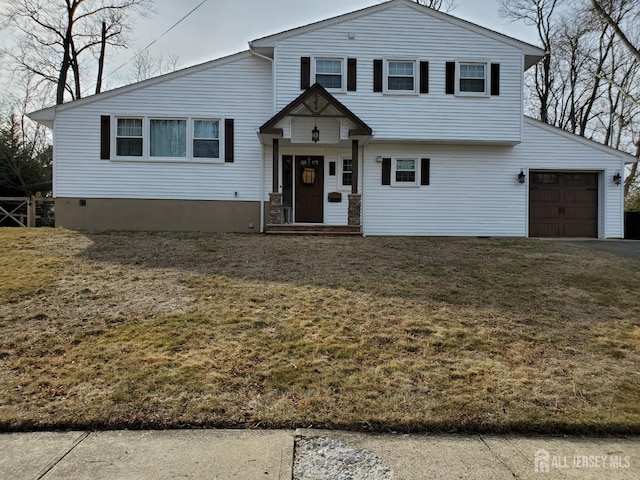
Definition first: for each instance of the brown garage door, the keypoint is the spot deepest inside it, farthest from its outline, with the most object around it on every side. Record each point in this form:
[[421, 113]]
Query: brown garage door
[[563, 204]]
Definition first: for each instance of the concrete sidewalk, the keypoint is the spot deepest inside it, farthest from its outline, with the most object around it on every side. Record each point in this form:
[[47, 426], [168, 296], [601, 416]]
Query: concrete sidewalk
[[243, 454]]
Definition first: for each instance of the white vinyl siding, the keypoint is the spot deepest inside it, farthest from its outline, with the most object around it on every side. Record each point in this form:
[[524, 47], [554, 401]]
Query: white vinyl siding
[[436, 117], [238, 88], [474, 190]]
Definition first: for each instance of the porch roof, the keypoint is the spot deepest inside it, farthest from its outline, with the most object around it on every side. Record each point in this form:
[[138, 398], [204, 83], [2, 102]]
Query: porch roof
[[315, 102]]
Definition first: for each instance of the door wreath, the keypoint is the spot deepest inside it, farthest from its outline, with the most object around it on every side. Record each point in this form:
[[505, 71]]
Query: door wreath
[[309, 176]]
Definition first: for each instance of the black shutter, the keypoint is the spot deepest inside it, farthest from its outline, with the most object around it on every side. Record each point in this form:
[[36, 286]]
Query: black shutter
[[305, 73], [377, 75], [424, 171], [386, 171], [352, 69], [450, 79], [495, 79], [424, 77], [105, 137], [229, 140]]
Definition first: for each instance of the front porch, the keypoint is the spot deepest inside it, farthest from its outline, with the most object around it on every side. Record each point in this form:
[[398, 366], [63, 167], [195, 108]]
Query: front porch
[[316, 157]]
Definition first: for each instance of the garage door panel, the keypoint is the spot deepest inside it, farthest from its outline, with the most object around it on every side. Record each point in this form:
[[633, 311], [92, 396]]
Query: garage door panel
[[543, 212], [563, 204], [544, 230], [580, 230], [580, 196], [580, 213], [545, 196]]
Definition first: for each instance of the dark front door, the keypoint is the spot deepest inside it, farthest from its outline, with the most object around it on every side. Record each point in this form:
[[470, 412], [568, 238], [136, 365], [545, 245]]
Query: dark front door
[[309, 175], [563, 204]]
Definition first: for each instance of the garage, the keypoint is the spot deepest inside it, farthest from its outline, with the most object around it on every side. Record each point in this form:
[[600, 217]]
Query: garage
[[563, 204]]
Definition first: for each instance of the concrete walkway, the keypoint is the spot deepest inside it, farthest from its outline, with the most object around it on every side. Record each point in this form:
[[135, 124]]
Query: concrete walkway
[[242, 454]]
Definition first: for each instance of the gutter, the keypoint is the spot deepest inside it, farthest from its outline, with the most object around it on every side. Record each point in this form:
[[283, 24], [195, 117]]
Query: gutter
[[262, 172]]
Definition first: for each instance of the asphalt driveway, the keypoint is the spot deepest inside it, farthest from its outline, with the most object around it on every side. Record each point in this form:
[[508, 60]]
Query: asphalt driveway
[[622, 248]]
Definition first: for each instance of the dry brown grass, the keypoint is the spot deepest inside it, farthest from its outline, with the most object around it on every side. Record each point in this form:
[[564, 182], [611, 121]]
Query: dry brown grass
[[169, 330]]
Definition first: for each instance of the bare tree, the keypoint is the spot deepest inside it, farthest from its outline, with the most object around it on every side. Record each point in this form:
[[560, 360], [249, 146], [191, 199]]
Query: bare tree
[[606, 10], [59, 39], [441, 5], [540, 14], [622, 17], [146, 65]]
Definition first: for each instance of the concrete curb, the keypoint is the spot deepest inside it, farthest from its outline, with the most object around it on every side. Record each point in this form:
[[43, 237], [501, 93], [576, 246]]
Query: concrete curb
[[251, 455]]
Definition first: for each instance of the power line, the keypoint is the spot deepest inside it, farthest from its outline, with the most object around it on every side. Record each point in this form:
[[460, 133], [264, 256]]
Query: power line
[[155, 41]]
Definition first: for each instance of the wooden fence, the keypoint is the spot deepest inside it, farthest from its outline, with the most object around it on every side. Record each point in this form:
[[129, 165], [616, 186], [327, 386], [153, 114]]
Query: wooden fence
[[27, 212]]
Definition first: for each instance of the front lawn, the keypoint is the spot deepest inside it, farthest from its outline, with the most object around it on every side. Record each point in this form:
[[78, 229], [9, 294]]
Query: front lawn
[[115, 330]]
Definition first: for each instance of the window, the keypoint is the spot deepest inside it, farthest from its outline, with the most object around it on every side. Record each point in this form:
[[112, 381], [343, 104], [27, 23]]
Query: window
[[401, 76], [168, 138], [129, 137], [473, 77], [347, 172], [329, 73], [405, 171], [206, 139]]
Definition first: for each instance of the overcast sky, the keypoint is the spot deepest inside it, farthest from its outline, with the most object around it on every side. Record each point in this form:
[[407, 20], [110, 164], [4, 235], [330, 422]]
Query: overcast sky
[[222, 27]]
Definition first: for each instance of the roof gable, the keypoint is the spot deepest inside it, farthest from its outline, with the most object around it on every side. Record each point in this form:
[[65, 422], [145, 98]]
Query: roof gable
[[532, 53], [46, 116], [315, 101], [624, 156]]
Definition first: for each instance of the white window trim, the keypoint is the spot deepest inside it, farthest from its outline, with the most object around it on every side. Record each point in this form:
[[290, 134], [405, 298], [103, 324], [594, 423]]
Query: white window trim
[[385, 79], [416, 182], [146, 140], [343, 62], [340, 171], [487, 78]]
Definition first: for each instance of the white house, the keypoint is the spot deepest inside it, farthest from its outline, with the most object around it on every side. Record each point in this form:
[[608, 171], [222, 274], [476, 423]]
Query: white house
[[391, 120]]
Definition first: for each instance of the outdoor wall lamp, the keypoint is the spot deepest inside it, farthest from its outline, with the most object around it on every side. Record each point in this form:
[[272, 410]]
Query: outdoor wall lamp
[[617, 178], [315, 134], [521, 177]]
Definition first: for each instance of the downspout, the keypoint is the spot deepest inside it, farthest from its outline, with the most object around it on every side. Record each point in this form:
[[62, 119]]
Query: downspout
[[273, 109]]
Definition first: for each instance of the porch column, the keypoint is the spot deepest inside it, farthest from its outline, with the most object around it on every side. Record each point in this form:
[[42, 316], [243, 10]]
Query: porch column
[[275, 197], [354, 166], [275, 209], [276, 161], [354, 213]]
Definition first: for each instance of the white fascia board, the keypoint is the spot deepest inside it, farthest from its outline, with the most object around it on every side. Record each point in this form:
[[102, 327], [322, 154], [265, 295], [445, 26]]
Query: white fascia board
[[46, 116], [626, 157]]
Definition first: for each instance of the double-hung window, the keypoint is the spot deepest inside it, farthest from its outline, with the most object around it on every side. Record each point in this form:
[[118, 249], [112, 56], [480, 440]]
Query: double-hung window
[[405, 172], [347, 172], [206, 139], [401, 76], [129, 137], [472, 78], [329, 73]]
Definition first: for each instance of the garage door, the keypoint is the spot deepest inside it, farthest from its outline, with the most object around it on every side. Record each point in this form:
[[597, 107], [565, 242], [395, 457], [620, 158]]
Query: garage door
[[563, 204]]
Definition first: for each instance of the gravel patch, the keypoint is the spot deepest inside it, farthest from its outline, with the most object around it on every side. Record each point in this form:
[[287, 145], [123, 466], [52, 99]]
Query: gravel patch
[[321, 458]]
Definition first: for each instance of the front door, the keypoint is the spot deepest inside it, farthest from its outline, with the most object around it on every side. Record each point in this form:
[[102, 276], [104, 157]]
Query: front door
[[309, 194]]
